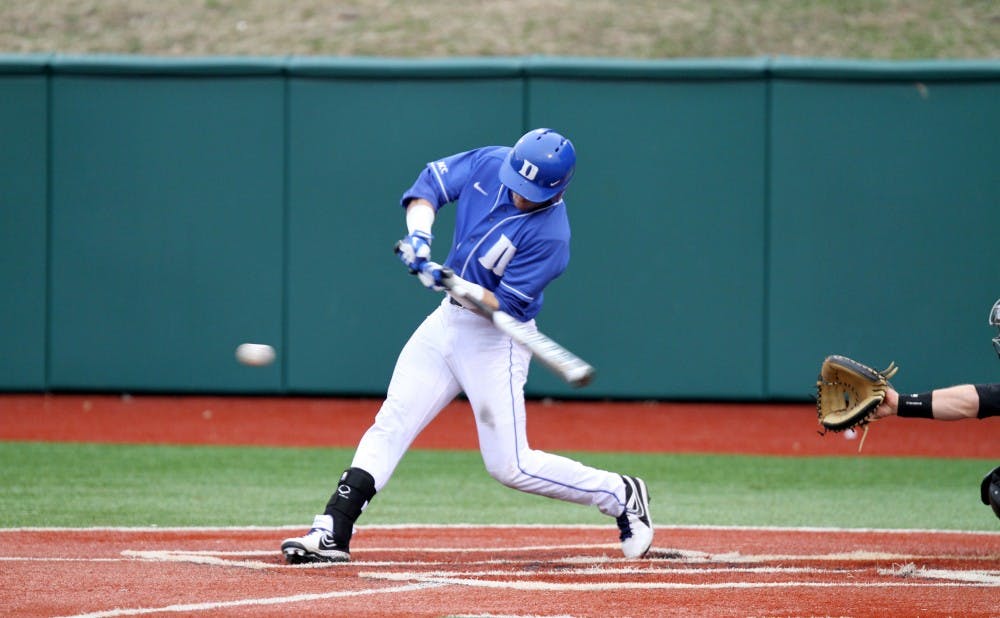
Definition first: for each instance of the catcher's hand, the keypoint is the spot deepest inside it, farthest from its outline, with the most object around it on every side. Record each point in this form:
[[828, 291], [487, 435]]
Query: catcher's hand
[[848, 393]]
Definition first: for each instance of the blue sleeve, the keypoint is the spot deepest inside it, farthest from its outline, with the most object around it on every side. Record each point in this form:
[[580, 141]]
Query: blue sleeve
[[441, 181]]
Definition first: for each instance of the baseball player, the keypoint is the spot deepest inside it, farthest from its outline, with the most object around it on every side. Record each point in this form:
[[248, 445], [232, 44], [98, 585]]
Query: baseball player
[[954, 403], [511, 239]]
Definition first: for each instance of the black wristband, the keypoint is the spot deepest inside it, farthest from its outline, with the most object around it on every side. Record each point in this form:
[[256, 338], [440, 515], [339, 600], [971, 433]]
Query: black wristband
[[989, 400], [915, 406]]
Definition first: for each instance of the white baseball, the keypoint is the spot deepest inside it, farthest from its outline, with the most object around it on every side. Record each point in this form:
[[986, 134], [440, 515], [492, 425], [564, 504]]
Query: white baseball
[[255, 354]]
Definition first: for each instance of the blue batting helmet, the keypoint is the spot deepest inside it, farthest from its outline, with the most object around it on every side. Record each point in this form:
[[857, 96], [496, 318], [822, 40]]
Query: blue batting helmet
[[539, 166]]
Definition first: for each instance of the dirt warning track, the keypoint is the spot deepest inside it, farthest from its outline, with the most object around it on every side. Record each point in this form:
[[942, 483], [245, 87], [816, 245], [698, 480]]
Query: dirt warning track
[[650, 427], [502, 570]]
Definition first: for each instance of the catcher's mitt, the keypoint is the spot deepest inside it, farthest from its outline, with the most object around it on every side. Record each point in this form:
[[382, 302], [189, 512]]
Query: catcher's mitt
[[849, 392]]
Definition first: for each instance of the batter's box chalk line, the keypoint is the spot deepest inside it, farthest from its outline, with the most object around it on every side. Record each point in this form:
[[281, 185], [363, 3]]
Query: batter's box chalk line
[[223, 558], [510, 616], [910, 570], [527, 586], [192, 608], [695, 557], [271, 558]]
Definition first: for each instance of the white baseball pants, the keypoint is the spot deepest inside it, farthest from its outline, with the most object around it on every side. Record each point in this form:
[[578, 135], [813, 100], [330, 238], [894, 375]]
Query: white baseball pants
[[456, 350]]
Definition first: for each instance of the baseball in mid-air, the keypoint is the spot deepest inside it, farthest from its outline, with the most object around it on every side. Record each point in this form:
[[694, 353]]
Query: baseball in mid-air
[[255, 354]]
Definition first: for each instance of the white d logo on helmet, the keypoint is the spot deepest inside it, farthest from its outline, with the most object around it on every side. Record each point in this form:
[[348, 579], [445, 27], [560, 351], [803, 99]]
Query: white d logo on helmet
[[529, 170]]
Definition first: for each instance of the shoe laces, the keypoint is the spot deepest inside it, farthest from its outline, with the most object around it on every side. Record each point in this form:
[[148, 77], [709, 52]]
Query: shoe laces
[[320, 533], [319, 529]]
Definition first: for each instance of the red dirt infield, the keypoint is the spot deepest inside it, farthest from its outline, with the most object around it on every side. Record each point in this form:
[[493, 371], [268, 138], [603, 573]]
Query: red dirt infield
[[508, 571], [495, 570]]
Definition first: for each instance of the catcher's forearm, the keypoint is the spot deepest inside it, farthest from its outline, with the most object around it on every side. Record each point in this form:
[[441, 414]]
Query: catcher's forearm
[[946, 404]]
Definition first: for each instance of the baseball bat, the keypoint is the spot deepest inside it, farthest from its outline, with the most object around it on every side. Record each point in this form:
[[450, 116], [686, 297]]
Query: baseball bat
[[568, 366]]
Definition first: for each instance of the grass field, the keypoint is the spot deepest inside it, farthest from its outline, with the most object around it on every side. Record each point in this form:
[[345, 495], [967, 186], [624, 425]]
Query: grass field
[[58, 484], [82, 485], [886, 29]]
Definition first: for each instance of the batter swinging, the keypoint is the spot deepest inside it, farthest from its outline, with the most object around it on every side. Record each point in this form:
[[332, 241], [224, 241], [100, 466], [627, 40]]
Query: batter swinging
[[511, 239]]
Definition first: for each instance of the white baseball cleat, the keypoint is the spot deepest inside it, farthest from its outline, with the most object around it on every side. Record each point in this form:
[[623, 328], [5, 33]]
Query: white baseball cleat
[[635, 523], [317, 545]]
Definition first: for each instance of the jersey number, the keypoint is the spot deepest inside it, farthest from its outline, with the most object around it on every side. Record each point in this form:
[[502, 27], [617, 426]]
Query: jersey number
[[499, 255]]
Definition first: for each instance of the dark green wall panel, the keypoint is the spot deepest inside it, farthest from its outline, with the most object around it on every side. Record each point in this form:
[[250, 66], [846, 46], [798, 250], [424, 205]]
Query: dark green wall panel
[[23, 219], [354, 146], [666, 279], [167, 232], [885, 206], [738, 216]]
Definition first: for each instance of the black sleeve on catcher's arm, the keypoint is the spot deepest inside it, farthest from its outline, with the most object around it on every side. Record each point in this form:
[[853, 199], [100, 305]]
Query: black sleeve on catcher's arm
[[918, 405], [989, 399]]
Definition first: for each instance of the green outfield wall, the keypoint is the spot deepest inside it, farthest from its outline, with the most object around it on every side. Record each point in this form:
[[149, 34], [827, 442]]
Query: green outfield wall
[[734, 221], [23, 222]]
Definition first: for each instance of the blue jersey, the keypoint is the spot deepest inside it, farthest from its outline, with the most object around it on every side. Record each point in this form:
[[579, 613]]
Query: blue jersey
[[514, 254]]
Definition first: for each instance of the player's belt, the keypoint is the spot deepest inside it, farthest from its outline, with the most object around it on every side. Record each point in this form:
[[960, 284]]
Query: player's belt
[[452, 300]]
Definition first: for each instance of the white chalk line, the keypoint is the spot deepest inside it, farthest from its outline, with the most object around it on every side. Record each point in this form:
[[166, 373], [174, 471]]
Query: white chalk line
[[657, 555], [658, 571], [912, 570], [508, 616], [215, 605], [217, 558], [225, 558], [603, 586], [590, 564], [465, 526], [57, 559], [853, 556]]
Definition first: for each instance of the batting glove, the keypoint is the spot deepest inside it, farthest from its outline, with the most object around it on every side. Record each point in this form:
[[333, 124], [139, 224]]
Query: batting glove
[[415, 250], [431, 274]]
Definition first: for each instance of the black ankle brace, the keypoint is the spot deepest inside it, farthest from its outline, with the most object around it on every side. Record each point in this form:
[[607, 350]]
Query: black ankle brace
[[355, 491]]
